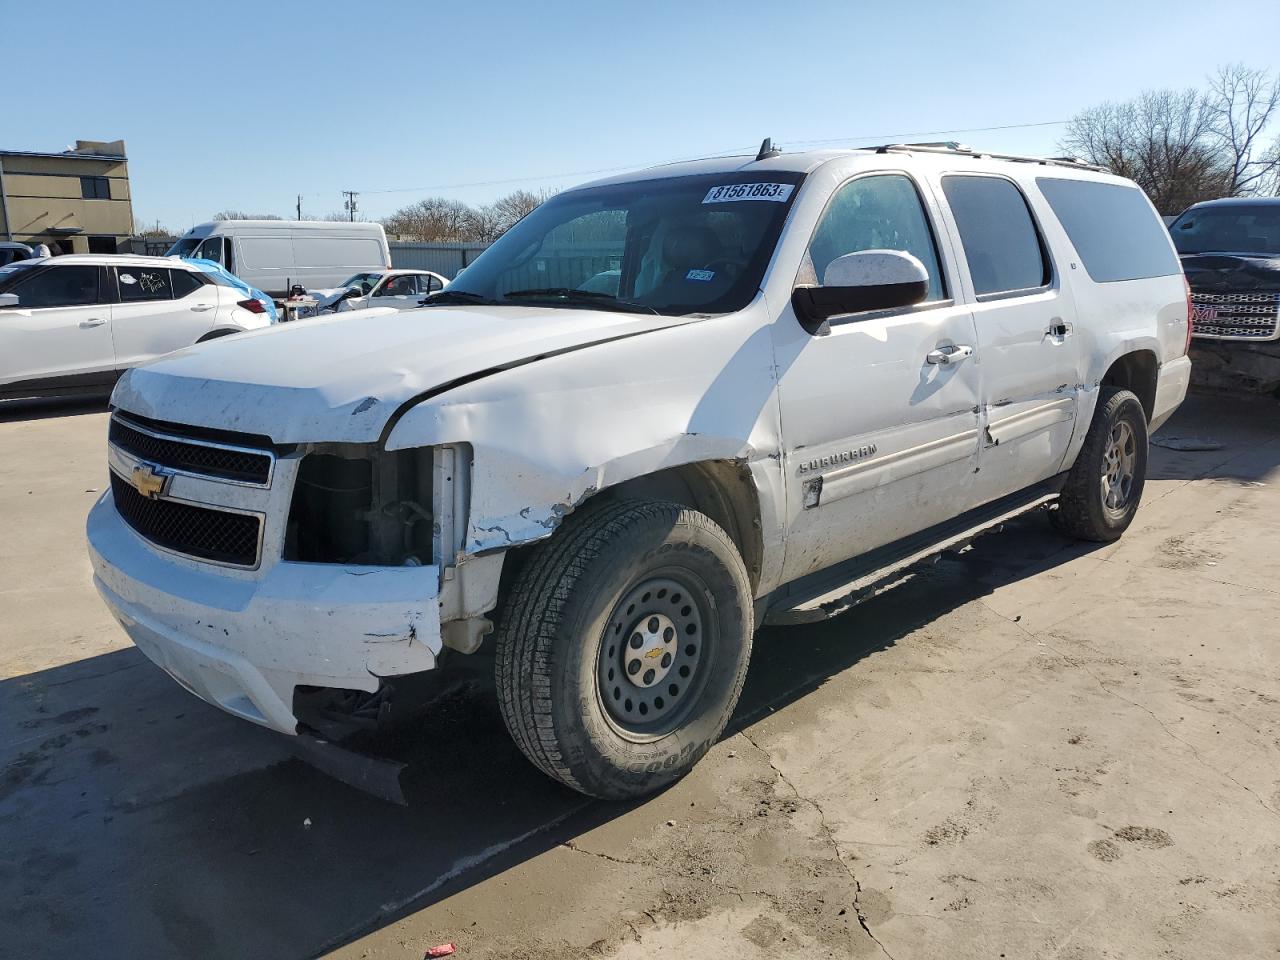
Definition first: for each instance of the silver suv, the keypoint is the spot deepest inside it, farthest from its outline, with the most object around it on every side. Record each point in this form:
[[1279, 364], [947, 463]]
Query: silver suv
[[661, 410]]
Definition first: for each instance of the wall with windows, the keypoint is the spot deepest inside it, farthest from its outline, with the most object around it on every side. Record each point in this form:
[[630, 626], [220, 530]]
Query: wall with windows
[[78, 200]]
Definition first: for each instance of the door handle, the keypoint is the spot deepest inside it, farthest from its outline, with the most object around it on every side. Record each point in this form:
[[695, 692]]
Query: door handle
[[1058, 329], [945, 355], [91, 322], [201, 307]]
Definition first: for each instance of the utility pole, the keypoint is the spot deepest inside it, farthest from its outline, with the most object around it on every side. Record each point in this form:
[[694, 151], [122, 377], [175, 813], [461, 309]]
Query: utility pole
[[4, 206], [350, 203], [299, 206]]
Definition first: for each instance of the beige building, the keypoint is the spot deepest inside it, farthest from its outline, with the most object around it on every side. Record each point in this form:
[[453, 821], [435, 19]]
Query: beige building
[[77, 201]]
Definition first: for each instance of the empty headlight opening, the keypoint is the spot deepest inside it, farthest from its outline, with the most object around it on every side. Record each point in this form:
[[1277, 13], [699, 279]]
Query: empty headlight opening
[[353, 504]]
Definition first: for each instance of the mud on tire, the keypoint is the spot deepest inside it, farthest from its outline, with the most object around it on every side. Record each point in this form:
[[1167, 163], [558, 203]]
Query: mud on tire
[[1104, 485], [622, 646]]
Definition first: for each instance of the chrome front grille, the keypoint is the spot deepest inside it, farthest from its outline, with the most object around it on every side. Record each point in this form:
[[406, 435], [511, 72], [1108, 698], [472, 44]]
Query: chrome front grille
[[1236, 316], [199, 493]]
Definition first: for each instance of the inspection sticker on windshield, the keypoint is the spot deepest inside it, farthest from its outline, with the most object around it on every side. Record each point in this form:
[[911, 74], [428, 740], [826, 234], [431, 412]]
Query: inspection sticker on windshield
[[777, 192]]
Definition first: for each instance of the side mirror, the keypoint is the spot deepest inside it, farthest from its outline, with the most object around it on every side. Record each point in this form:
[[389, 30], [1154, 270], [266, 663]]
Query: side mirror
[[866, 280], [353, 292], [8, 299]]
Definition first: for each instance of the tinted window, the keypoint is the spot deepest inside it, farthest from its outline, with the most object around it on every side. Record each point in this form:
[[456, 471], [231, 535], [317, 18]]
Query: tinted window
[[694, 244], [1229, 228], [95, 188], [58, 287], [211, 249], [140, 284], [184, 282], [1113, 228], [998, 234], [876, 213]]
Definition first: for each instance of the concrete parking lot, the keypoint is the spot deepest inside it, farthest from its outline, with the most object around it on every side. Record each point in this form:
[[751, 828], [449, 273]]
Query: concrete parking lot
[[1036, 749]]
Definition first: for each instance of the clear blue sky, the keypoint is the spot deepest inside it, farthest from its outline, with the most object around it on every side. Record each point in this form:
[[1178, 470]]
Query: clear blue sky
[[244, 105]]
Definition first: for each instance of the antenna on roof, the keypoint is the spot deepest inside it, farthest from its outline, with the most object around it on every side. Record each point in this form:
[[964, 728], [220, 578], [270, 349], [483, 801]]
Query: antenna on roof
[[767, 149]]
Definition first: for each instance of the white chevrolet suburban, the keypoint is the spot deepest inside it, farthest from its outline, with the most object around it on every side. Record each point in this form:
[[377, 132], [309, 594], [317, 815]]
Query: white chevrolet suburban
[[661, 410]]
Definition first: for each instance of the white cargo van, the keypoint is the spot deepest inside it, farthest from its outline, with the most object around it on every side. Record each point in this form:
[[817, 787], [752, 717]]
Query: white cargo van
[[273, 255]]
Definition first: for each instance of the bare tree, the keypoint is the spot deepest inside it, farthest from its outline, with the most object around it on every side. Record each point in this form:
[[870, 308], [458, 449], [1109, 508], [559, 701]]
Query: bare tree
[[1242, 101], [433, 219], [1186, 146], [1161, 140]]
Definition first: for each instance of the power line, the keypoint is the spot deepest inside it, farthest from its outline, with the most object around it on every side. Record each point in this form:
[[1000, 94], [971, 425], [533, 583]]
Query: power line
[[729, 152]]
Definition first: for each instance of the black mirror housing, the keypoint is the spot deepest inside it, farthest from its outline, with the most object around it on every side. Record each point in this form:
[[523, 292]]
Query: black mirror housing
[[815, 305]]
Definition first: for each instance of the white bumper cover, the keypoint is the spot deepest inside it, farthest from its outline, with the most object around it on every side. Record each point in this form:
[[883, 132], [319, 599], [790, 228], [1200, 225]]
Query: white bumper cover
[[243, 644], [1171, 390]]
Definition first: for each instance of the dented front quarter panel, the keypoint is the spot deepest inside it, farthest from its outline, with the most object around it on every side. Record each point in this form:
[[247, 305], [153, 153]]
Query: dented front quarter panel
[[547, 436]]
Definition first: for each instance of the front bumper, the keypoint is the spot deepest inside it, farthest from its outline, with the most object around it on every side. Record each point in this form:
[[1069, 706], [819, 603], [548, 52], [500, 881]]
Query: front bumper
[[244, 641]]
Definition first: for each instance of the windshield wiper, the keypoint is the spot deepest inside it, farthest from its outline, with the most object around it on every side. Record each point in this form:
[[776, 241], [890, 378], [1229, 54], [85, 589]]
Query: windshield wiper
[[605, 301], [446, 297]]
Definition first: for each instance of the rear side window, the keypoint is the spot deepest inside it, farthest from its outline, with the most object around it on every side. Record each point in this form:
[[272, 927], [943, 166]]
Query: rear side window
[[141, 284], [1000, 240], [1113, 228], [184, 282], [59, 287]]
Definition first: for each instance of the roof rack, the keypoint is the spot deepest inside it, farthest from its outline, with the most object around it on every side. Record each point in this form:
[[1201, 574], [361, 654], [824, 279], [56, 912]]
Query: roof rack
[[960, 149]]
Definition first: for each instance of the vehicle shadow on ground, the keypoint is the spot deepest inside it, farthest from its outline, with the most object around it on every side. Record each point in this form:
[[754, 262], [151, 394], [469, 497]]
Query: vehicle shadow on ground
[[139, 821], [14, 411], [1241, 432]]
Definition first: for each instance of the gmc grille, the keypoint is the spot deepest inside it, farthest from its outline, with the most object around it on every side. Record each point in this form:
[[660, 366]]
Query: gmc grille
[[216, 535], [1235, 316]]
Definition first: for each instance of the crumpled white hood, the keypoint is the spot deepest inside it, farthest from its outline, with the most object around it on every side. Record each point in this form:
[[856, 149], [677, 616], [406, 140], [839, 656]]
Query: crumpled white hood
[[340, 378]]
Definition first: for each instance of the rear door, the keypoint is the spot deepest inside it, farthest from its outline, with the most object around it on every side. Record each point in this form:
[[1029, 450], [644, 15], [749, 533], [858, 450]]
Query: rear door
[[1024, 316], [158, 311], [59, 334], [880, 440]]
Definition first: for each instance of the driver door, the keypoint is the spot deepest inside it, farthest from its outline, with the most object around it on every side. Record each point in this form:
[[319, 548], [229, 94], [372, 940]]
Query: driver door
[[880, 440]]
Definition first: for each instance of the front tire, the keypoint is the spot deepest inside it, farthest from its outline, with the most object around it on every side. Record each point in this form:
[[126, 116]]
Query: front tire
[[1104, 486], [623, 645]]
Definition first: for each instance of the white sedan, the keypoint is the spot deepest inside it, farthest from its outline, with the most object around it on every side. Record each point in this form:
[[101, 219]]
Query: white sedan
[[71, 325], [398, 289]]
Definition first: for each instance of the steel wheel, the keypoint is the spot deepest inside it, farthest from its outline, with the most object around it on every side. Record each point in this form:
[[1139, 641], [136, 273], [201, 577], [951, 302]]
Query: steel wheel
[[648, 676], [1119, 463]]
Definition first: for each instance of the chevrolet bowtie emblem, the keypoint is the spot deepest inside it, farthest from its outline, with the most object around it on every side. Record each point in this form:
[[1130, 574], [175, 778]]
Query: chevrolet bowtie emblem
[[148, 481]]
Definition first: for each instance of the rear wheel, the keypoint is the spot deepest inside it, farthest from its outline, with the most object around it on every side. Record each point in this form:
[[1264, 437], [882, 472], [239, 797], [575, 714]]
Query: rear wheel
[[1104, 486], [623, 645]]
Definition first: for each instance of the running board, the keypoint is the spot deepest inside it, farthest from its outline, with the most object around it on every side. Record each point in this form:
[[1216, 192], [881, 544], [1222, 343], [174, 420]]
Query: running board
[[831, 592]]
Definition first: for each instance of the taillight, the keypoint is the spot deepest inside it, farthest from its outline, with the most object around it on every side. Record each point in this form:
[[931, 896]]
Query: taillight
[[1191, 312], [255, 306]]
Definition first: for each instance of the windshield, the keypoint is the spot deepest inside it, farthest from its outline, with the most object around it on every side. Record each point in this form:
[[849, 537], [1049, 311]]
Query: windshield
[[1230, 228], [364, 281], [184, 247], [676, 246]]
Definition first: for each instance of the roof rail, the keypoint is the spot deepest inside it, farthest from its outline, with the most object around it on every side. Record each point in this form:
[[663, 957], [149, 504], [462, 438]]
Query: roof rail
[[960, 149]]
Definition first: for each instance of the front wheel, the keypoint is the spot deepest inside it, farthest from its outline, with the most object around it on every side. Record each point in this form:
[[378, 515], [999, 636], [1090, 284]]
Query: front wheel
[[623, 645], [1104, 486]]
